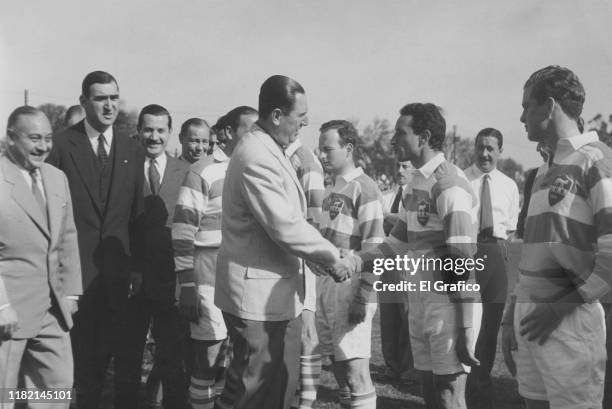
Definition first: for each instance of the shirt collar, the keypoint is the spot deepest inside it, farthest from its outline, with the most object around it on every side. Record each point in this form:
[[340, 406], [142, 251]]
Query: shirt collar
[[160, 160], [566, 146], [430, 167], [93, 134], [353, 174], [479, 173], [293, 147], [220, 156]]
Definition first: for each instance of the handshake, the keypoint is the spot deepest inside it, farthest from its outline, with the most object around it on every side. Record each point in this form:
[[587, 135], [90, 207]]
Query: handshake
[[347, 266]]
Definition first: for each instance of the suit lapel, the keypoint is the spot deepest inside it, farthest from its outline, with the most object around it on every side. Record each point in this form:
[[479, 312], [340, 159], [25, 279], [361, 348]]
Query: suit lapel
[[55, 204], [277, 152], [23, 196], [121, 163], [81, 154], [170, 175]]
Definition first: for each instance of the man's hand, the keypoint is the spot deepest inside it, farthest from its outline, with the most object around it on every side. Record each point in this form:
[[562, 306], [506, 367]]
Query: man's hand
[[342, 270], [8, 323], [509, 345], [316, 269], [542, 321], [464, 349], [356, 312], [135, 283], [189, 303]]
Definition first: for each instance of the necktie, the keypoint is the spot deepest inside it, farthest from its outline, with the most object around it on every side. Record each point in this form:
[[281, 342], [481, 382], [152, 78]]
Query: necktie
[[154, 176], [486, 209], [397, 200], [38, 195], [102, 154]]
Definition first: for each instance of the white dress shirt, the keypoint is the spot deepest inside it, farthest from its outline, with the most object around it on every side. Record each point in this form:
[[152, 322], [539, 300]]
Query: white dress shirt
[[161, 162], [93, 135], [504, 199]]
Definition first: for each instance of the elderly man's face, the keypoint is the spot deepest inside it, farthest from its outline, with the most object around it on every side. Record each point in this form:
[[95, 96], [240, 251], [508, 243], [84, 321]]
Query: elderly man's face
[[30, 141], [291, 123]]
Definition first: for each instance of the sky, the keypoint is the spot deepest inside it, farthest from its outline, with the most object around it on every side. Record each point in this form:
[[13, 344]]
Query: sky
[[356, 59]]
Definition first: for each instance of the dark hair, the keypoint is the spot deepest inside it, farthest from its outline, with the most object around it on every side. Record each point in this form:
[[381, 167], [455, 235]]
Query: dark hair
[[155, 110], [427, 117], [23, 110], [72, 111], [493, 133], [562, 85], [347, 133], [278, 91], [232, 118], [96, 77], [192, 122]]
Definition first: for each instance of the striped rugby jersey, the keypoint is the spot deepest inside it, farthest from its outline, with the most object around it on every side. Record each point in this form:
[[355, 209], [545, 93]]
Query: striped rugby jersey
[[310, 174], [197, 217], [568, 229], [437, 218], [352, 217]]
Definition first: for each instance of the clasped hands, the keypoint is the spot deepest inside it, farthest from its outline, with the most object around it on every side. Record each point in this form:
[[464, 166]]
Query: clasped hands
[[342, 270]]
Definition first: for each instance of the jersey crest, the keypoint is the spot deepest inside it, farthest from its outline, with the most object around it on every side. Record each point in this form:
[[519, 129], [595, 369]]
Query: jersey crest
[[335, 207], [423, 212], [559, 189]]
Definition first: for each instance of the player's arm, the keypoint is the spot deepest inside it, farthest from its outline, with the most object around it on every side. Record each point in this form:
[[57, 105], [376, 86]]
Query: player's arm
[[189, 211], [513, 210]]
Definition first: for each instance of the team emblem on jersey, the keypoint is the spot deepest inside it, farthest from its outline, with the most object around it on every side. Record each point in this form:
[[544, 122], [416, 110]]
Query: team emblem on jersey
[[559, 189], [423, 212], [335, 207]]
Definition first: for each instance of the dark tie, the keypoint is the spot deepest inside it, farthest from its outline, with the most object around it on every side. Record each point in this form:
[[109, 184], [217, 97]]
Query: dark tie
[[486, 209], [38, 195], [154, 177], [397, 200], [102, 154]]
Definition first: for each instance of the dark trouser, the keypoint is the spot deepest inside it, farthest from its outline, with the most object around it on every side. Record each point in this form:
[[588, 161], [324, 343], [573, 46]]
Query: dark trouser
[[168, 333], [394, 334], [264, 370], [607, 400], [493, 281]]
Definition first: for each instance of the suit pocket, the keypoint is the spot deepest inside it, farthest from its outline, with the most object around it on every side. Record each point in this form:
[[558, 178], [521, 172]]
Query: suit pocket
[[252, 272]]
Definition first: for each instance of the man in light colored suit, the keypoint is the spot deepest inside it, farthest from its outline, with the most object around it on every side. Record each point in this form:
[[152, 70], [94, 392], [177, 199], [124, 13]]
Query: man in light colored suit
[[265, 237], [40, 268]]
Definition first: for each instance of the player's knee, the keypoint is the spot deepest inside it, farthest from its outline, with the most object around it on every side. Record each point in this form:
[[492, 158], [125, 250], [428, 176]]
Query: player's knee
[[358, 378]]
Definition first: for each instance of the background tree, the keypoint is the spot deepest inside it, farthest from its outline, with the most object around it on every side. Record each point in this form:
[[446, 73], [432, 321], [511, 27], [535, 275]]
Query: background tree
[[126, 121], [56, 114], [603, 128]]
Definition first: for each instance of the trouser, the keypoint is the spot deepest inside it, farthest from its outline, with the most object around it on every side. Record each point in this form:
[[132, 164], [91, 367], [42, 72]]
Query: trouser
[[168, 333], [493, 281], [44, 361], [394, 332], [264, 370]]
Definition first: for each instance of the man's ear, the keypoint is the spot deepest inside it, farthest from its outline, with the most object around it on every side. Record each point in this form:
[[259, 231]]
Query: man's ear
[[82, 100], [549, 106], [276, 116], [424, 137], [228, 133]]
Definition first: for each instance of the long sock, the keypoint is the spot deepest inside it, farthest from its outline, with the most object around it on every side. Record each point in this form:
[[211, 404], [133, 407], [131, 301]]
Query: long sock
[[345, 397], [364, 400], [202, 393], [310, 377]]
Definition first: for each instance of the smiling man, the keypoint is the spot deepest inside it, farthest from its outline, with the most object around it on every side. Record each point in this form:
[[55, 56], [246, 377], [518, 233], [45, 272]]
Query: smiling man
[[498, 209], [195, 138], [106, 183], [40, 270]]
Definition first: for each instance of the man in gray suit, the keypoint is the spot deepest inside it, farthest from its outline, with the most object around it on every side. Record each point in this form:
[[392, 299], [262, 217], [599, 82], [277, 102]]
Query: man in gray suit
[[260, 267], [154, 298], [40, 268]]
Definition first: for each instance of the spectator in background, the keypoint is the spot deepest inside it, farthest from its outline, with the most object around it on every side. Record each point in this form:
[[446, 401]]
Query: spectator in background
[[73, 115], [40, 269], [106, 183], [195, 137], [394, 331], [498, 208]]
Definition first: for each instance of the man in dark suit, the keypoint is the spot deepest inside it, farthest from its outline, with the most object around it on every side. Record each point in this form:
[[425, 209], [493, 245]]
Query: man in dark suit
[[104, 172], [40, 271], [155, 300]]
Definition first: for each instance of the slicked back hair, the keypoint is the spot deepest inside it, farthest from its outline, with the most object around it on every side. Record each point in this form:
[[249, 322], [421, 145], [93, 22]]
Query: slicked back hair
[[562, 85], [96, 77], [20, 111], [155, 110], [278, 91], [493, 133], [232, 118], [427, 116]]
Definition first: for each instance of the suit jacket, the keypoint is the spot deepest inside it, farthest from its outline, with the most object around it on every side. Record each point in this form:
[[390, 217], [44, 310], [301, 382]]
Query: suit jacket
[[264, 234], [104, 232], [37, 261], [153, 246]]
